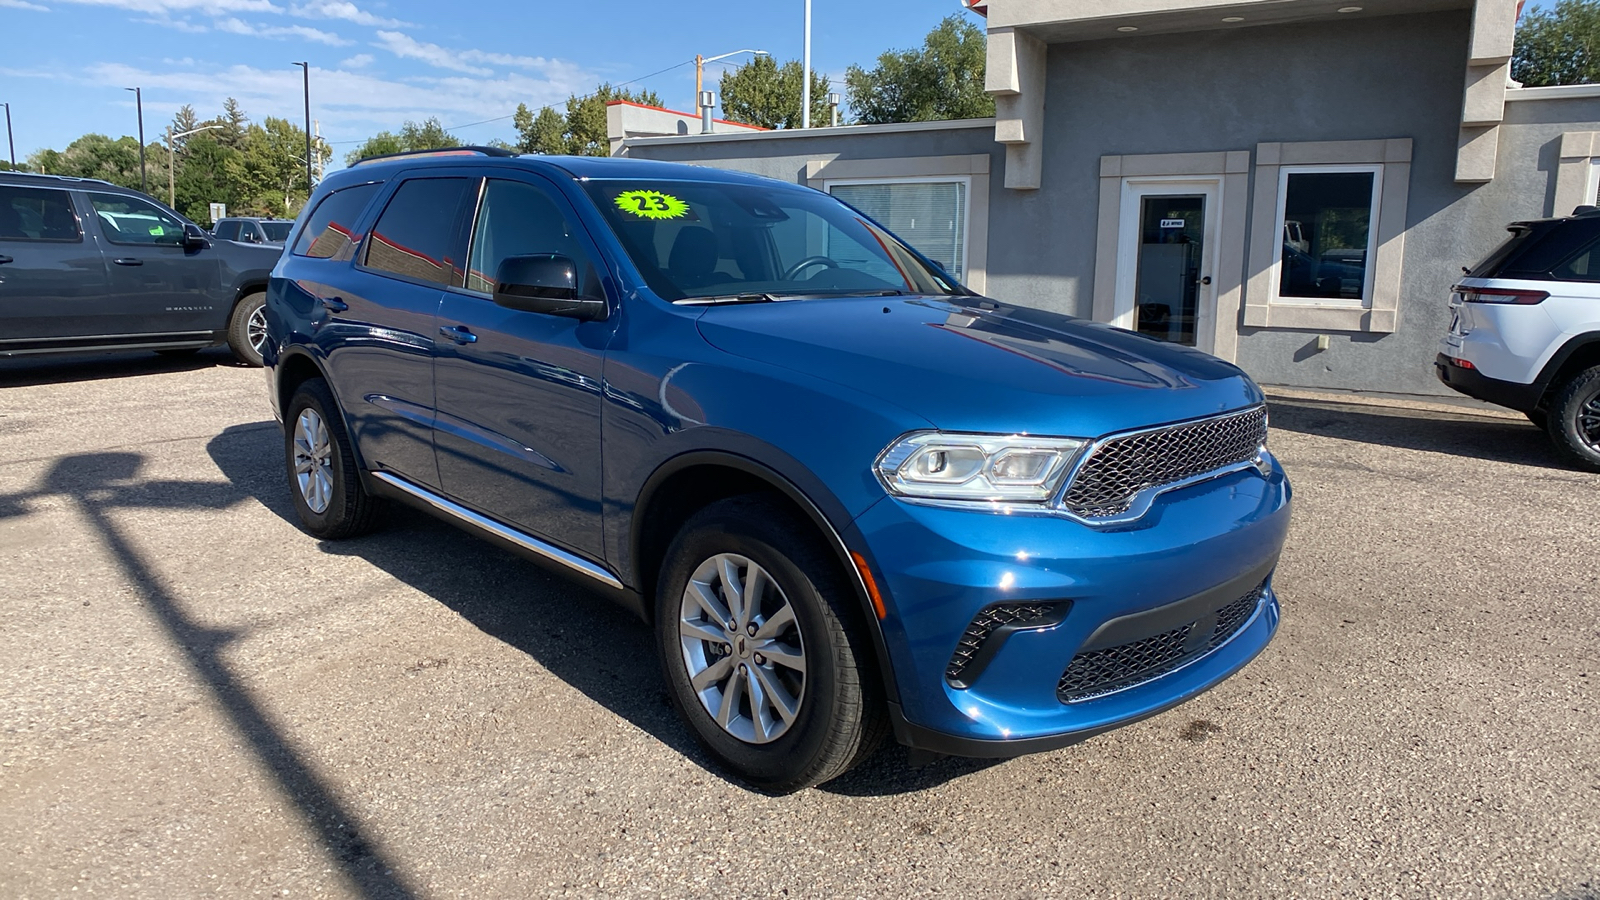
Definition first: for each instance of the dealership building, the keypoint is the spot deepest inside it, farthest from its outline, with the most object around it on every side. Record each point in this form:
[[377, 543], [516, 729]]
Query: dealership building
[[1292, 185]]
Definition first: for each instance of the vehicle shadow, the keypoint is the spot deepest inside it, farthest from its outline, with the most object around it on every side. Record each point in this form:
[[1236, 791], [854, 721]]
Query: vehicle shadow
[[29, 371], [101, 484], [1458, 434], [548, 617]]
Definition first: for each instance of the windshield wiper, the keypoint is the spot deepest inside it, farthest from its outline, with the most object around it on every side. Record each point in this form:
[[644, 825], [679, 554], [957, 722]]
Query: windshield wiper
[[726, 299]]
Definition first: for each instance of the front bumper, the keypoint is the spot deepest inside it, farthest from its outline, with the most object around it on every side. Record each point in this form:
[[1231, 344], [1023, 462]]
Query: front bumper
[[939, 567], [1473, 383]]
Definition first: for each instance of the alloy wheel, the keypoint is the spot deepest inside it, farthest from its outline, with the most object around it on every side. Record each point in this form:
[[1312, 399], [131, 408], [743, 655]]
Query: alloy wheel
[[1589, 422], [742, 646], [313, 461], [255, 329]]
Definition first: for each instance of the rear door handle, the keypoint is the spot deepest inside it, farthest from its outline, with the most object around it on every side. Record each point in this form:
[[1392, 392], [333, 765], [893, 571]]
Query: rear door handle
[[334, 304], [458, 333], [128, 261], [4, 260]]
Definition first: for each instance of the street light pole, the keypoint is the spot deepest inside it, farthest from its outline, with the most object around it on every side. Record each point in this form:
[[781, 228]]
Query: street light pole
[[305, 71], [138, 102], [172, 161], [700, 68], [805, 73], [9, 142]]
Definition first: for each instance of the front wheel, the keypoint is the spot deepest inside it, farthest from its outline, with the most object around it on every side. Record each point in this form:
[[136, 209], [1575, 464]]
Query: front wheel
[[761, 647], [247, 329], [1574, 422]]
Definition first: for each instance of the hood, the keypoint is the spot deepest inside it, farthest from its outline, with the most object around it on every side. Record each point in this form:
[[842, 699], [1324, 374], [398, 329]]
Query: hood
[[968, 364]]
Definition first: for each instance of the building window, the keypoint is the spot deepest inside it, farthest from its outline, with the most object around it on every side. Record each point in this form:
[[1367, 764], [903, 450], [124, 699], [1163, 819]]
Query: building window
[[1328, 220], [930, 214]]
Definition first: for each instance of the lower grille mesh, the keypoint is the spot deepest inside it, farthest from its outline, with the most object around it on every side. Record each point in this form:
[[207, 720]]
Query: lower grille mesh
[[983, 626], [1095, 673]]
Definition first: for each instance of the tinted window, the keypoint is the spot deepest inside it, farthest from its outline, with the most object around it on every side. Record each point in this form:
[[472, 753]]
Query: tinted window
[[517, 219], [1582, 266], [277, 231], [1549, 247], [129, 220], [227, 231], [1327, 229], [35, 214], [415, 235], [330, 233]]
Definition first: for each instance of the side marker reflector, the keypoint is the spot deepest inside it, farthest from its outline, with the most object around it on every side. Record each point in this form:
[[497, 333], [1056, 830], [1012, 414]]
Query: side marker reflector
[[872, 586]]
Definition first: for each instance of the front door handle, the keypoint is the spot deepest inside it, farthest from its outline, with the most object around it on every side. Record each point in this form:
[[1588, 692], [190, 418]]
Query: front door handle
[[4, 259], [334, 304], [458, 333], [128, 261]]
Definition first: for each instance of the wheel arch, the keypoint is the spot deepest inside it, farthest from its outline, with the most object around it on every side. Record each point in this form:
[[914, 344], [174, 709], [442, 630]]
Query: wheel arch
[[1577, 354], [295, 367]]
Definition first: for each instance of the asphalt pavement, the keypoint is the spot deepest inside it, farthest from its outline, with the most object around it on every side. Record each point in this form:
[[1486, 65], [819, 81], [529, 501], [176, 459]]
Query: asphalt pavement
[[200, 700]]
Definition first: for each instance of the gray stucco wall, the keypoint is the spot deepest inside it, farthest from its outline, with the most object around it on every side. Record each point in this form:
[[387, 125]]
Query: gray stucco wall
[[1331, 80]]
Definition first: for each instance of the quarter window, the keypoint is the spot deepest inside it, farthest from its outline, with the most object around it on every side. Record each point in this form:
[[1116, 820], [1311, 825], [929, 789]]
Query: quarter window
[[518, 219], [129, 220], [1327, 221], [415, 236], [330, 233], [930, 215], [35, 214]]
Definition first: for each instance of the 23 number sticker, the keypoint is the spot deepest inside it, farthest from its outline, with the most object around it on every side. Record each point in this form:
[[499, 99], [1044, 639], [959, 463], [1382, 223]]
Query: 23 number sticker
[[651, 204]]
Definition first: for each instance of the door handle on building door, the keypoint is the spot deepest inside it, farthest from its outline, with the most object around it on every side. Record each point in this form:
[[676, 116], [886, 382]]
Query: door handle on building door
[[1206, 279]]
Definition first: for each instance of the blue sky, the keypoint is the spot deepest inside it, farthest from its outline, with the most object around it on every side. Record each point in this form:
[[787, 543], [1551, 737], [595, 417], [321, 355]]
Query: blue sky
[[376, 63]]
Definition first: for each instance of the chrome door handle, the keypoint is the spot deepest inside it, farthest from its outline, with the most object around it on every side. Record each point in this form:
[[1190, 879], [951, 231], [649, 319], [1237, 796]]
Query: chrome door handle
[[334, 304], [458, 333], [128, 261], [4, 260]]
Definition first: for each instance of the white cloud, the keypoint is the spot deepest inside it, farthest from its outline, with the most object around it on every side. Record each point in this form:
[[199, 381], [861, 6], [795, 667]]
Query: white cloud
[[359, 61], [23, 4], [237, 26], [341, 9], [434, 55], [183, 25]]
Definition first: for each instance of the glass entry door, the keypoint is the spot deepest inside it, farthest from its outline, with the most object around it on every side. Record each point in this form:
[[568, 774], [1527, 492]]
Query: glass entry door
[[1167, 280]]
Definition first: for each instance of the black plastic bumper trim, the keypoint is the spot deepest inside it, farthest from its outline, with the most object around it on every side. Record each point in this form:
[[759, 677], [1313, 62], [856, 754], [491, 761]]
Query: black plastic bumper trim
[[1510, 394]]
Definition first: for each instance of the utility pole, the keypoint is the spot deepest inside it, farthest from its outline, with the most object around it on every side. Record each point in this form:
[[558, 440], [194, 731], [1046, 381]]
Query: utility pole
[[318, 124], [138, 102], [305, 70], [700, 67], [9, 142], [805, 73]]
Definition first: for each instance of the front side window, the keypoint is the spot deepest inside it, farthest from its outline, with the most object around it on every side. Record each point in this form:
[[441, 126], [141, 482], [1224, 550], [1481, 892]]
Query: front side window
[[37, 214], [129, 220], [703, 240], [330, 233], [929, 215], [1327, 220], [415, 234], [227, 231], [519, 219]]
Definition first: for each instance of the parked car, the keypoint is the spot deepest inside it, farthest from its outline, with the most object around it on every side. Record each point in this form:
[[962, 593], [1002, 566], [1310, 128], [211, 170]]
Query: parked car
[[86, 265], [252, 230], [851, 496], [1525, 331]]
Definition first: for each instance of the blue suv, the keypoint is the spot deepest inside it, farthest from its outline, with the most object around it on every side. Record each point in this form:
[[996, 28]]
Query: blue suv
[[852, 497]]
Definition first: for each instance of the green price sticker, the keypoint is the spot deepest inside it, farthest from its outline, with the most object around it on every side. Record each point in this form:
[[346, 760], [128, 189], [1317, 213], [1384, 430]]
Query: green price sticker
[[651, 204]]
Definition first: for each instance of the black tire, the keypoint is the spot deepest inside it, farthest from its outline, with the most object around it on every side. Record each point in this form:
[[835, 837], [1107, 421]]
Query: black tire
[[348, 510], [240, 330], [1575, 419], [1539, 418], [840, 716]]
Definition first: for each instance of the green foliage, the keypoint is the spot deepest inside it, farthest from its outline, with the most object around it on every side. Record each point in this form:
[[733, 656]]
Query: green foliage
[[763, 93], [943, 80], [582, 132], [1559, 45], [429, 135], [6, 166]]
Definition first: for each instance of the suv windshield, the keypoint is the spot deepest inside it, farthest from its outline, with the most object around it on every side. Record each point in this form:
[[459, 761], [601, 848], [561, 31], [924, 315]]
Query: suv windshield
[[696, 241], [277, 231]]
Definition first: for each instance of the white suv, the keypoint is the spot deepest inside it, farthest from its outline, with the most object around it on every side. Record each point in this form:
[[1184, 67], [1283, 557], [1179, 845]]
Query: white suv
[[1525, 333]]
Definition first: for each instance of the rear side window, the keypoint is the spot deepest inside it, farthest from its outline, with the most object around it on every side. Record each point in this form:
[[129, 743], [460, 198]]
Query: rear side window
[[1581, 266], [330, 232], [37, 214], [416, 234], [1537, 249]]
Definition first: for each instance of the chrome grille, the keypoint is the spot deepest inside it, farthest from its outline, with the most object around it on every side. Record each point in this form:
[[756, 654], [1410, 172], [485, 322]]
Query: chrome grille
[[1119, 468]]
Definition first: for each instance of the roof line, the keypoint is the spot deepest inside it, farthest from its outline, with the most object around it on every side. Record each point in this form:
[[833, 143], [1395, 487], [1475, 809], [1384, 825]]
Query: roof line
[[679, 112]]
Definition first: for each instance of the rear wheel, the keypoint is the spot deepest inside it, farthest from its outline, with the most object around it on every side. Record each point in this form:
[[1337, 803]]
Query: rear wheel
[[324, 482], [247, 329], [1574, 422], [761, 648]]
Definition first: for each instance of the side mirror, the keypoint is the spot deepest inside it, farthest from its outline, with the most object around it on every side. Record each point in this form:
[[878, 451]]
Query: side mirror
[[194, 238], [544, 283]]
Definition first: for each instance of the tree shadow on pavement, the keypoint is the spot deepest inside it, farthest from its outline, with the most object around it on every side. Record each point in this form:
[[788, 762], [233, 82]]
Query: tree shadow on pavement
[[34, 370], [98, 485], [554, 620], [1458, 434]]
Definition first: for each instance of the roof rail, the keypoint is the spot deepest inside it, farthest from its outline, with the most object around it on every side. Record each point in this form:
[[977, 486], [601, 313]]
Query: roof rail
[[445, 151], [61, 177]]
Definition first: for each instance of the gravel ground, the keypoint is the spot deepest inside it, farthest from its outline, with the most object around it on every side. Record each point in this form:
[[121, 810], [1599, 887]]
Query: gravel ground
[[200, 700]]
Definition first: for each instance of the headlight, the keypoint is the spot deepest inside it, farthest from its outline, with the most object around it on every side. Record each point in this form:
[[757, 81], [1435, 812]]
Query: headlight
[[941, 466]]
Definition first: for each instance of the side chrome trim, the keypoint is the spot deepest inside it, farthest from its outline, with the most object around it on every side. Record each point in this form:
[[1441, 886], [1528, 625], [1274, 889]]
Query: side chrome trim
[[504, 532]]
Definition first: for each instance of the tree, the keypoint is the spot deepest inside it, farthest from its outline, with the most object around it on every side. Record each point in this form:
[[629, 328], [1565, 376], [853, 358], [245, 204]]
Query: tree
[[234, 125], [544, 133], [763, 93], [429, 135], [582, 132], [1559, 45], [943, 80], [185, 120]]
